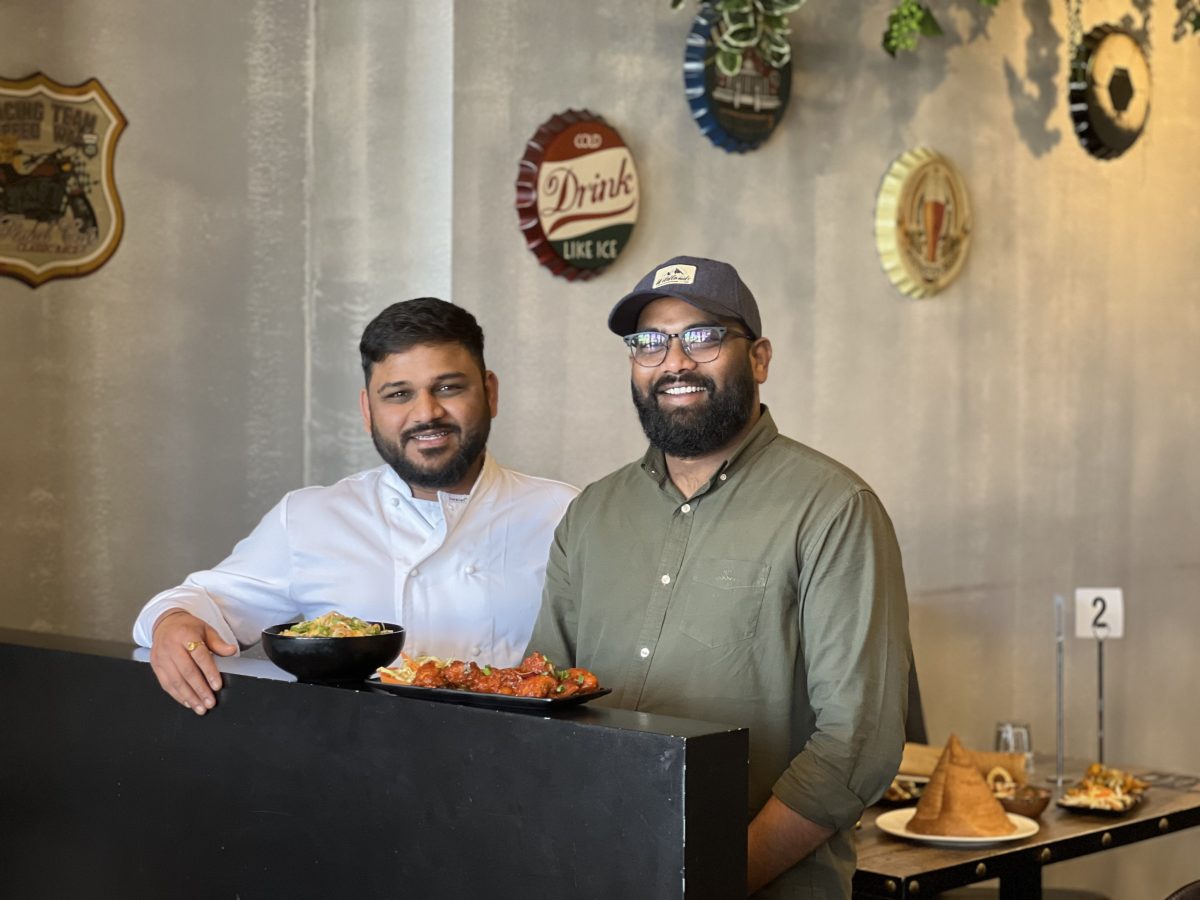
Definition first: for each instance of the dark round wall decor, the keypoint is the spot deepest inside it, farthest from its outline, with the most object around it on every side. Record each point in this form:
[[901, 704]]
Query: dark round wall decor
[[739, 112], [1109, 96]]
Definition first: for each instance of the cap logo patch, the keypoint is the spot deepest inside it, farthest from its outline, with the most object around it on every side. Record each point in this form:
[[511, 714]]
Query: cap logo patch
[[677, 274]]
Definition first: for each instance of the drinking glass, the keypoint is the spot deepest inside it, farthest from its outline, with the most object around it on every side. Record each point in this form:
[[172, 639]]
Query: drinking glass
[[1013, 737]]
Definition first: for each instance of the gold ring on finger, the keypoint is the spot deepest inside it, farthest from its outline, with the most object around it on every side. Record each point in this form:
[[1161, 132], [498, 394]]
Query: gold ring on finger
[[192, 645]]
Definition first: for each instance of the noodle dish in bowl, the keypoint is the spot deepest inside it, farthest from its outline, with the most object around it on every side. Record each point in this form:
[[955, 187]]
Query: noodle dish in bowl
[[332, 648]]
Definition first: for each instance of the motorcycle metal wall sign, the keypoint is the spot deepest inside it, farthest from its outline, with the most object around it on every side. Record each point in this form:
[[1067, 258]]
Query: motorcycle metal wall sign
[[60, 214]]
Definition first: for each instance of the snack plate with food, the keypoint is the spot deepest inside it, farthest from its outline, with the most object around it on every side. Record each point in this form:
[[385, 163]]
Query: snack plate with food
[[536, 684], [895, 823], [1103, 791], [1023, 799], [903, 790]]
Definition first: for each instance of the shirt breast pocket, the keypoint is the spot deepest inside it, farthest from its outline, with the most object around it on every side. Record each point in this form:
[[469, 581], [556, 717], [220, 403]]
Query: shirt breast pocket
[[723, 600]]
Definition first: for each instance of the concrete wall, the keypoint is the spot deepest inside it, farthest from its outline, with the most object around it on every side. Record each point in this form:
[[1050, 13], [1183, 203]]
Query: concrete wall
[[291, 168]]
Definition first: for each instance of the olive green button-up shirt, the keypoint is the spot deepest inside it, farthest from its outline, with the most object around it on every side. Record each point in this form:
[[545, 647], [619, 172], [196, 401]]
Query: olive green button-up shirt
[[773, 598]]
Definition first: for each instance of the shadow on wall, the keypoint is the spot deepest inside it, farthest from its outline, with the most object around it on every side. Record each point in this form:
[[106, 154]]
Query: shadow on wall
[[1034, 94]]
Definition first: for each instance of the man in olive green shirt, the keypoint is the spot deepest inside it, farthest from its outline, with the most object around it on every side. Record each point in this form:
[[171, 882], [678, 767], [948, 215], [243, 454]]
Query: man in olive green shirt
[[734, 575]]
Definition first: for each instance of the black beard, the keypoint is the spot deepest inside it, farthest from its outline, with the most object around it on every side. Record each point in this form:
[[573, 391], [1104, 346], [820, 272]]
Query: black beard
[[471, 445], [689, 433]]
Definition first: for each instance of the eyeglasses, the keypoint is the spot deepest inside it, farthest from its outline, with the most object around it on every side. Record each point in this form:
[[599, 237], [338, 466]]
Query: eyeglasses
[[702, 344]]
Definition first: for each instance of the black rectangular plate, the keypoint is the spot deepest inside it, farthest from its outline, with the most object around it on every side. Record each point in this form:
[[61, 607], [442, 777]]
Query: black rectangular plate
[[492, 701], [1096, 811]]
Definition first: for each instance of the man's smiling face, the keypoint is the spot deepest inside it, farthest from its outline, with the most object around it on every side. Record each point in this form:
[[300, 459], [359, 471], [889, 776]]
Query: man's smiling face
[[689, 409], [429, 410]]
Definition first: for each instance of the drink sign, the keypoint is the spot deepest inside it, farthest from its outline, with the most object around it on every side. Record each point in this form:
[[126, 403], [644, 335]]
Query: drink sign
[[577, 194], [1099, 613]]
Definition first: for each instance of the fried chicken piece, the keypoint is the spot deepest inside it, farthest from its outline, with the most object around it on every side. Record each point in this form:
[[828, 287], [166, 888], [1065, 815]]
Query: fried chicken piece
[[459, 674], [585, 681], [537, 686], [536, 664], [429, 674], [495, 681]]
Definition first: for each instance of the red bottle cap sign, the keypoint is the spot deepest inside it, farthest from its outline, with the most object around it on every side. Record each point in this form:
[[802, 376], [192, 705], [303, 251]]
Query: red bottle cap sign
[[577, 194]]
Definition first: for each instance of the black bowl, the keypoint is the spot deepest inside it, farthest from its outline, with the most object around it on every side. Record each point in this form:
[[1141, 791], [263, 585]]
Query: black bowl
[[332, 660]]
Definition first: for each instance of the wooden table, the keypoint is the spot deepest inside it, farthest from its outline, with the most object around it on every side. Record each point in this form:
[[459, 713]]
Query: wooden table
[[890, 867]]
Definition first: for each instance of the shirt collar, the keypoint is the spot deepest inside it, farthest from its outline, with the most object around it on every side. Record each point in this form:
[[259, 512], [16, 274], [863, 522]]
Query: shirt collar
[[391, 483], [654, 463]]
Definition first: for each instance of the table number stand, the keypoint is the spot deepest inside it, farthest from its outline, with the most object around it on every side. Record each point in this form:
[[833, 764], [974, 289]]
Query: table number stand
[[1059, 645], [1099, 634], [1099, 616]]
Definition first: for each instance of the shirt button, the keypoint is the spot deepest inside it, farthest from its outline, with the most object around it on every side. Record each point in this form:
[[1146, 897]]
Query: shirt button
[[644, 652], [666, 579], [687, 507], [470, 570], [723, 476], [415, 572], [395, 501], [475, 651]]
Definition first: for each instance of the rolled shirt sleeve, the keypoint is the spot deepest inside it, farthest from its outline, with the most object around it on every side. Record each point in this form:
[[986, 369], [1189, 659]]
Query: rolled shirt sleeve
[[853, 615]]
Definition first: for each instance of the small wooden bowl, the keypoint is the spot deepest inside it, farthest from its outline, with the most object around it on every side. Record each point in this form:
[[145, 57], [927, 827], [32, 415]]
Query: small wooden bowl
[[1028, 801]]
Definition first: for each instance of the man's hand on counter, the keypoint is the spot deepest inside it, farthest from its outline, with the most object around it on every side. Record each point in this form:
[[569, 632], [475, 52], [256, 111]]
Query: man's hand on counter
[[181, 656]]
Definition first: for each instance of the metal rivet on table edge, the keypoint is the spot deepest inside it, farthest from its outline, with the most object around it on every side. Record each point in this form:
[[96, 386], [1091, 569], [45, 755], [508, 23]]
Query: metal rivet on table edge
[[1163, 824], [1044, 856], [914, 887], [889, 886], [981, 870], [1106, 840]]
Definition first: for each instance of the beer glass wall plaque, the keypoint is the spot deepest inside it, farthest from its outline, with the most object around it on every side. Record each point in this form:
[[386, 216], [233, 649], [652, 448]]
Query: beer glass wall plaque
[[60, 214], [922, 222], [736, 112], [577, 194]]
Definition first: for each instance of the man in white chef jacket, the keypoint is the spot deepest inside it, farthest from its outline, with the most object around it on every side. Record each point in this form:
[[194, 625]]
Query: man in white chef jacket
[[441, 539]]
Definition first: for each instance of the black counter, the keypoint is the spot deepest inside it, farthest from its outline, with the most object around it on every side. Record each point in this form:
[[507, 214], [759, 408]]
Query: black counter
[[108, 788]]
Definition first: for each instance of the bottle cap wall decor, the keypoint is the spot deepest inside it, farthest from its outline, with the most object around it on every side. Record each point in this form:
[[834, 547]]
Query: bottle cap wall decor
[[1109, 95], [577, 194], [738, 112], [922, 222]]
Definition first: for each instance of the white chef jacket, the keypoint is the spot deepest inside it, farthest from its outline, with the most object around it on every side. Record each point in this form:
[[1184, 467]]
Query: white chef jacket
[[468, 588]]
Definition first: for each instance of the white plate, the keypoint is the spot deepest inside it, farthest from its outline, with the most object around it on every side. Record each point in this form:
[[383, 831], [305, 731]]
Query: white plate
[[896, 823]]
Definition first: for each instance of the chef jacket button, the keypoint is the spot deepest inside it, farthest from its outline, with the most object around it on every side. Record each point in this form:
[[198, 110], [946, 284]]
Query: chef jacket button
[[666, 579], [470, 570], [395, 501], [475, 651], [687, 507], [644, 652], [415, 572]]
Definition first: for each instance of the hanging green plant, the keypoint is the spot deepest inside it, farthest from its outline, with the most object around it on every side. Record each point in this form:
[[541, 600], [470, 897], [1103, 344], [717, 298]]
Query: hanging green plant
[[911, 20], [761, 24]]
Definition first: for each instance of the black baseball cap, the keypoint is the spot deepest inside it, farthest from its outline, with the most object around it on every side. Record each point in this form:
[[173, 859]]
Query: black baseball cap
[[707, 284]]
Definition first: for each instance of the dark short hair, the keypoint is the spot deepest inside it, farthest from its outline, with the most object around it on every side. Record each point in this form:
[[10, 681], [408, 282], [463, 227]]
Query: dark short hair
[[425, 320]]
